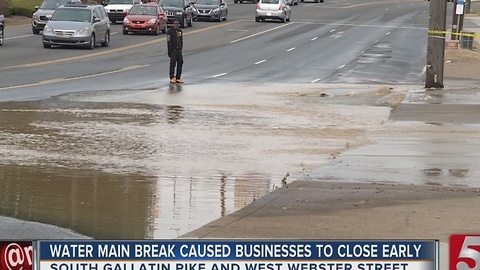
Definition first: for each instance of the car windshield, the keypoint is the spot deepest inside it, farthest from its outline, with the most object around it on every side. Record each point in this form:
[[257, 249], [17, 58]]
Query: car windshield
[[120, 2], [143, 10], [208, 2], [172, 3], [72, 15], [53, 4], [269, 1]]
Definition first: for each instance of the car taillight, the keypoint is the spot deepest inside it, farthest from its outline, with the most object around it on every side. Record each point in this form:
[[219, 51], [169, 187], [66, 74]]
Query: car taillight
[[258, 6], [281, 7]]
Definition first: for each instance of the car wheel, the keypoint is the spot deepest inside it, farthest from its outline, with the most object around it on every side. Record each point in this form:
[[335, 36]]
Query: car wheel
[[35, 31], [226, 15], [257, 19], [2, 36], [125, 32], [91, 46], [46, 46], [107, 39]]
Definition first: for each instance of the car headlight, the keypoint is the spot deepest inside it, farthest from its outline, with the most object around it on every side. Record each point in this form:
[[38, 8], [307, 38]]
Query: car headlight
[[152, 21], [83, 31], [216, 10], [179, 12], [47, 29], [125, 20]]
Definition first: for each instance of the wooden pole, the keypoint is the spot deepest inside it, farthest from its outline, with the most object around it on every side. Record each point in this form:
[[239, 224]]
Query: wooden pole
[[436, 44]]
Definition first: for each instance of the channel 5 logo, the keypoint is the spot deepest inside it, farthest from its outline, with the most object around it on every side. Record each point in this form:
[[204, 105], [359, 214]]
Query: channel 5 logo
[[16, 255], [465, 252]]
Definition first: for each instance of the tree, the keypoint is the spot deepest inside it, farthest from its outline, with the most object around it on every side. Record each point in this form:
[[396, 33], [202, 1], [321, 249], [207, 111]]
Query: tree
[[4, 7]]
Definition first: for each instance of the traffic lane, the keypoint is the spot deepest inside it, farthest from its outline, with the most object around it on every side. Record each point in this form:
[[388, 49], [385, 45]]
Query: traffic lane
[[375, 51], [203, 59], [132, 77], [152, 53], [27, 49], [322, 52], [302, 64], [399, 57]]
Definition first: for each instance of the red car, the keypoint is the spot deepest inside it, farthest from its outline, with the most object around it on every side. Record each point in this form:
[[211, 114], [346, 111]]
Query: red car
[[145, 18]]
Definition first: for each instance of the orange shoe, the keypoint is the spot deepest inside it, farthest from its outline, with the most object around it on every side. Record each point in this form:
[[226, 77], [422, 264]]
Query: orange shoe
[[173, 80], [179, 81]]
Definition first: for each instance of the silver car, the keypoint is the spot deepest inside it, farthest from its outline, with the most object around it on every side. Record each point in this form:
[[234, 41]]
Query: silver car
[[215, 10], [273, 10], [77, 25], [44, 12]]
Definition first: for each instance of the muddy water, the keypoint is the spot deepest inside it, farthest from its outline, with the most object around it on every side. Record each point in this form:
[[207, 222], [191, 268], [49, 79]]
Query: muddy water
[[161, 162]]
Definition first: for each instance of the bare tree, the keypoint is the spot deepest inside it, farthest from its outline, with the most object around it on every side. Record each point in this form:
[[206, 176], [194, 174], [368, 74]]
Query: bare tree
[[4, 7]]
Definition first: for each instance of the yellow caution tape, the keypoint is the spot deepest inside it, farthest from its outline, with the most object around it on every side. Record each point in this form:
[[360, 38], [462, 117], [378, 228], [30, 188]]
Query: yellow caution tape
[[453, 33]]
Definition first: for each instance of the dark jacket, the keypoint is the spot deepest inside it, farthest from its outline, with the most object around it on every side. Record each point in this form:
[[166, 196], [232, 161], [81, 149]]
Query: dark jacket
[[174, 40]]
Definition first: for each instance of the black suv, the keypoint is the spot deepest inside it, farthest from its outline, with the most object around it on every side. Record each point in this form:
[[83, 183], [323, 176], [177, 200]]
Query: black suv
[[180, 10], [2, 29]]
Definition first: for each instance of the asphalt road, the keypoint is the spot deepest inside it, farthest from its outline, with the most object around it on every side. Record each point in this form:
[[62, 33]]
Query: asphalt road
[[336, 41]]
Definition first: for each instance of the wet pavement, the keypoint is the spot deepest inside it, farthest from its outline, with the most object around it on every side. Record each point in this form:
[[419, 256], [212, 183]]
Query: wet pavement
[[418, 179], [158, 163]]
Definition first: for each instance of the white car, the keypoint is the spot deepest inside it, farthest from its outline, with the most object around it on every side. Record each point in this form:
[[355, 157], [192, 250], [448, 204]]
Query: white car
[[118, 9], [273, 10]]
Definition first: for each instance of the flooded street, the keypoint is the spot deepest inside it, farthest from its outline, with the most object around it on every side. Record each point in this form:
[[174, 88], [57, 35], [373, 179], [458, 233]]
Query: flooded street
[[158, 163]]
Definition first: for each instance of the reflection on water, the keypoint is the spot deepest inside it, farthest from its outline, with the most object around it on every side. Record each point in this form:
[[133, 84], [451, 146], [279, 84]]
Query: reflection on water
[[93, 203], [120, 171]]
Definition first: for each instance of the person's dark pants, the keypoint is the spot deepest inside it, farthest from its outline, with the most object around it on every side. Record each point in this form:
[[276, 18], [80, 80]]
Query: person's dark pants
[[176, 59]]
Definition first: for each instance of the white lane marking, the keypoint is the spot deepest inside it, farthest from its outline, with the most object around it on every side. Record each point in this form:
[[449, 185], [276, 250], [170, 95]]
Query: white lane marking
[[315, 38], [316, 80], [388, 33], [342, 66], [259, 33], [114, 33], [56, 80], [353, 25], [18, 37], [333, 30], [337, 35], [387, 9], [261, 61], [291, 49], [219, 75], [238, 30]]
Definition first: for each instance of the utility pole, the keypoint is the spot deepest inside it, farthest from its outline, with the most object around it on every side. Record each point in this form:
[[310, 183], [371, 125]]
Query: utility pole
[[436, 44]]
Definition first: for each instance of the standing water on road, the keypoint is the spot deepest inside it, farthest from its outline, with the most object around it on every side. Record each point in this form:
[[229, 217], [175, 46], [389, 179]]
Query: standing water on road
[[159, 163]]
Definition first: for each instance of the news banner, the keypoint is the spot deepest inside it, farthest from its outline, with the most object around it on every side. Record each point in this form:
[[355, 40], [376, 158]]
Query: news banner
[[238, 254]]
